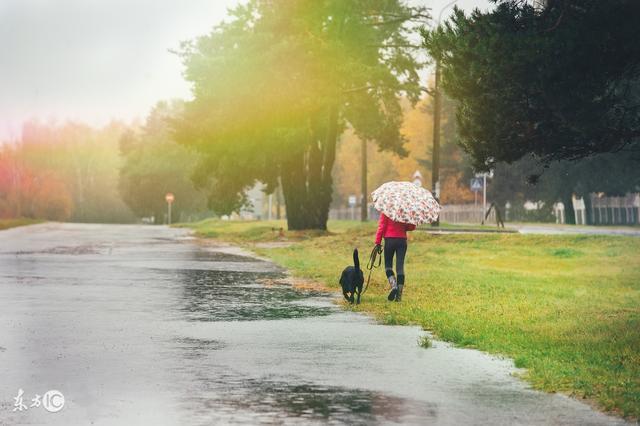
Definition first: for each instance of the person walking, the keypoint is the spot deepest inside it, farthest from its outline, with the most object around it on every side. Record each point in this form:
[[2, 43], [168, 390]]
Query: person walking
[[395, 245], [402, 207]]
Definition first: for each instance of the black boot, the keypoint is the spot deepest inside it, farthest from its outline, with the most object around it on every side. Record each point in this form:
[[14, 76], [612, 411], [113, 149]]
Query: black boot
[[394, 285], [400, 287]]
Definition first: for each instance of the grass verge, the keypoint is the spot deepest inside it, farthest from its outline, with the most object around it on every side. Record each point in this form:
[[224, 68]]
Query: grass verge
[[12, 223], [565, 307]]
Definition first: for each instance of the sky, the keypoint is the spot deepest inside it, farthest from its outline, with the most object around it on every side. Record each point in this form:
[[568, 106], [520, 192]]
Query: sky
[[94, 61]]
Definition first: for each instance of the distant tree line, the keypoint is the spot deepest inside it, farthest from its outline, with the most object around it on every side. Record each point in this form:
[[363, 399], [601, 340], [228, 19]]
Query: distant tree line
[[63, 172], [115, 174]]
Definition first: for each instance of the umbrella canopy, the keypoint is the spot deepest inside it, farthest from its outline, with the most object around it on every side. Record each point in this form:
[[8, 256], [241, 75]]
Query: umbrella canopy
[[406, 202]]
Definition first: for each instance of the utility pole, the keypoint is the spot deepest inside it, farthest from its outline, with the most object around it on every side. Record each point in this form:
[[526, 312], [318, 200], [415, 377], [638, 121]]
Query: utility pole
[[435, 163], [278, 207], [484, 195], [364, 214], [437, 101], [484, 176]]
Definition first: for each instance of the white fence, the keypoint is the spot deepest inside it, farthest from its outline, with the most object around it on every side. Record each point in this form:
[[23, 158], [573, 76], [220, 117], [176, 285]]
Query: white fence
[[465, 213], [451, 213], [608, 210], [351, 213]]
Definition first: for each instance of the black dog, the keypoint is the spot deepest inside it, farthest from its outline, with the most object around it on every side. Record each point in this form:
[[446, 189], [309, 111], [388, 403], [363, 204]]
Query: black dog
[[352, 279]]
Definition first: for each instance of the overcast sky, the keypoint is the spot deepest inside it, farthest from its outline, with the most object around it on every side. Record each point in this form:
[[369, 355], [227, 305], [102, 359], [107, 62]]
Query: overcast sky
[[98, 60]]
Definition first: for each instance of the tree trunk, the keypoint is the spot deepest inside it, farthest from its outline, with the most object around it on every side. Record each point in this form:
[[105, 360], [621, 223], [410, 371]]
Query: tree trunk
[[588, 220], [569, 213], [364, 208], [294, 191], [306, 176], [278, 195]]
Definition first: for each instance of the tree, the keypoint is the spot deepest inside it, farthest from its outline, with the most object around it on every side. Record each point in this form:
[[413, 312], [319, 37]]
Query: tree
[[561, 82], [155, 165], [25, 192], [276, 86]]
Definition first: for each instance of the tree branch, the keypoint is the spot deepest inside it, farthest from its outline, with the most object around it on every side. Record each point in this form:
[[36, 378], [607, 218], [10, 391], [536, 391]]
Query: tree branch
[[371, 86], [564, 8], [399, 19], [395, 46]]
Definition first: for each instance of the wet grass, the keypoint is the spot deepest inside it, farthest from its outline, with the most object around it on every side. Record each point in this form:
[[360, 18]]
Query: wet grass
[[12, 223], [565, 307]]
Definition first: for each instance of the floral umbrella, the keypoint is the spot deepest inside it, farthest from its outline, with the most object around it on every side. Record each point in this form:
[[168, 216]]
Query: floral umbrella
[[406, 202]]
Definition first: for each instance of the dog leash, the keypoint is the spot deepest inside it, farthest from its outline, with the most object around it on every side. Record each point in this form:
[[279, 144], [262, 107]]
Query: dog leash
[[371, 264]]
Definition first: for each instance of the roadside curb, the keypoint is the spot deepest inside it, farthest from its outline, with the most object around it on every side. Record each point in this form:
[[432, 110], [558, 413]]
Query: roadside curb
[[470, 231]]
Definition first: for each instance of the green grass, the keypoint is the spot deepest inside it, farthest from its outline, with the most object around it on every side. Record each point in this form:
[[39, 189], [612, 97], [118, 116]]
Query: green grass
[[12, 223], [565, 307], [424, 342], [264, 230]]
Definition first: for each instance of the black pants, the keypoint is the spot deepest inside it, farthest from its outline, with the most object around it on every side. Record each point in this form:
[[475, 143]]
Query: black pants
[[397, 247]]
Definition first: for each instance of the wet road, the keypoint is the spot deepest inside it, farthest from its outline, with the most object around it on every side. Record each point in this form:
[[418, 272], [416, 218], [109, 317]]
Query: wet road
[[143, 325]]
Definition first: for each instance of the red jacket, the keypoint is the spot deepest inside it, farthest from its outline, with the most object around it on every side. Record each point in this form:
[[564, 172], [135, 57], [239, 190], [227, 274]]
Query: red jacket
[[387, 228]]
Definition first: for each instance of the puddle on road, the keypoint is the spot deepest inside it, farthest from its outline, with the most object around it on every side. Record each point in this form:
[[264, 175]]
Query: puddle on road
[[236, 395], [264, 401], [63, 250], [239, 296], [218, 256], [197, 348]]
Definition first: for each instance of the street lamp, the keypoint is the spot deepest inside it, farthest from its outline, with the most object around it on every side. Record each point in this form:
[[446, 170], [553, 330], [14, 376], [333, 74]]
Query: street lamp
[[435, 164]]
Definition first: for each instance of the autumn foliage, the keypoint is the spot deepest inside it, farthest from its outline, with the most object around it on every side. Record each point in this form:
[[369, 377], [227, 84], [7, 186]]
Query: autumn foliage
[[25, 192], [385, 166], [63, 172]]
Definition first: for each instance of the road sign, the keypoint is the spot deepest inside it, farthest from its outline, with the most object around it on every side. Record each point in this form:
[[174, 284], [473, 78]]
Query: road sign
[[417, 178], [169, 198], [352, 200], [476, 184]]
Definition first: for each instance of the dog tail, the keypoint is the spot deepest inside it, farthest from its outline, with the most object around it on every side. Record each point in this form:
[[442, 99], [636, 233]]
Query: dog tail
[[356, 260]]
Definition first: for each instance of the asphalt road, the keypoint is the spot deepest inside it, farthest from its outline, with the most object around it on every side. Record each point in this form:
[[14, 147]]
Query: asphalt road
[[143, 325]]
